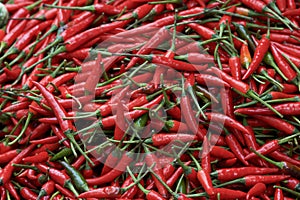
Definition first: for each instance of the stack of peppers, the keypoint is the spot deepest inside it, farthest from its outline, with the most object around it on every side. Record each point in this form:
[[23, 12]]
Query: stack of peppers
[[135, 99]]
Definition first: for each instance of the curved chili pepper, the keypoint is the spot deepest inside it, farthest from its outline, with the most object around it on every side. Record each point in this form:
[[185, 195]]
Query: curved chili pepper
[[259, 54], [115, 172], [256, 190], [9, 155], [77, 179], [47, 189]]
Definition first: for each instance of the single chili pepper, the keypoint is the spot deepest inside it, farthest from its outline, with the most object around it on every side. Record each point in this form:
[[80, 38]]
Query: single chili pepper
[[9, 155], [205, 155], [115, 172], [279, 156], [287, 167], [278, 194], [229, 122], [277, 123], [58, 176], [206, 79], [64, 191], [26, 193], [203, 177], [16, 106], [11, 189], [7, 171], [47, 189], [284, 108], [77, 179], [111, 161], [220, 152], [251, 180], [105, 192], [245, 56], [235, 147], [271, 146], [259, 54], [162, 139], [14, 7], [40, 157], [256, 190]]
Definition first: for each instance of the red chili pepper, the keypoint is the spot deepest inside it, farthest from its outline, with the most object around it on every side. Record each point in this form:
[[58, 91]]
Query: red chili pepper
[[220, 152], [115, 172], [279, 124], [260, 52], [9, 155], [228, 174], [203, 31], [26, 193], [162, 139], [47, 189], [64, 191], [224, 193], [271, 146], [40, 157], [256, 190], [205, 155], [105, 192], [111, 161], [278, 194], [284, 108]]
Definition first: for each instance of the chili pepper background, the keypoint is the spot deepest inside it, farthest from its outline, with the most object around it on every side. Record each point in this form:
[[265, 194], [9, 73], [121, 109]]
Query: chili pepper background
[[135, 99]]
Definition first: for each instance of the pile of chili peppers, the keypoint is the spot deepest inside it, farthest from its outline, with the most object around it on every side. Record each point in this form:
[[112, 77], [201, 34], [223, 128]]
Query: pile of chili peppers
[[135, 99]]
